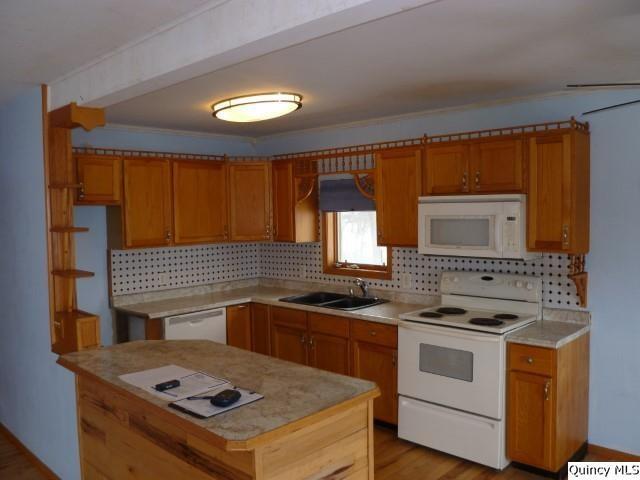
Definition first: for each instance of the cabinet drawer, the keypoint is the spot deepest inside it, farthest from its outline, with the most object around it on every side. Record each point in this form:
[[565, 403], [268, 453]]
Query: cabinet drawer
[[373, 332], [329, 324], [526, 358], [289, 316]]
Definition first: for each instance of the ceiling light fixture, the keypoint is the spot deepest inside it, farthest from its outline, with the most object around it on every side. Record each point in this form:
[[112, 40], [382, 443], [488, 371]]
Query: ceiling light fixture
[[257, 107]]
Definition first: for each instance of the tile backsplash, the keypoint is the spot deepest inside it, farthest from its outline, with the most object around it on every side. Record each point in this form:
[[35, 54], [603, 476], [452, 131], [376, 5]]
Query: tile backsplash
[[135, 271]]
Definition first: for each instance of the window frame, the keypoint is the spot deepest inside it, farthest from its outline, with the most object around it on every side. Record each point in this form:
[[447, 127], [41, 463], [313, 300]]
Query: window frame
[[330, 254]]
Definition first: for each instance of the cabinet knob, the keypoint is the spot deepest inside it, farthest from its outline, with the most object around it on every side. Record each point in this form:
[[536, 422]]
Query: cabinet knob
[[81, 191], [167, 235], [477, 177], [464, 179], [311, 342], [529, 360], [303, 339], [565, 235], [373, 333]]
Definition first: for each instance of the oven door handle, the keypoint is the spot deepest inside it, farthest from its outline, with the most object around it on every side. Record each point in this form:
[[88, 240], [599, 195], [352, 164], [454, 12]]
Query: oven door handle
[[448, 332]]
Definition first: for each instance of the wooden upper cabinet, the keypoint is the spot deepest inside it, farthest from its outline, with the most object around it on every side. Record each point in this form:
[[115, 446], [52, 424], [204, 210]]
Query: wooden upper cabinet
[[199, 201], [249, 201], [295, 205], [239, 326], [447, 169], [283, 201], [398, 184], [495, 166], [101, 179], [147, 202], [558, 200]]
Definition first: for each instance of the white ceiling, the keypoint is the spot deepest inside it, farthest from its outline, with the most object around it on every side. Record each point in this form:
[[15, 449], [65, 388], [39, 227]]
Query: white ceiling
[[448, 53], [41, 40]]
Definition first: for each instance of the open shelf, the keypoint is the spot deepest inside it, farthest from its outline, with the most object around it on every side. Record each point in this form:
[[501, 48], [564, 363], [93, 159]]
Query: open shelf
[[69, 229], [72, 273]]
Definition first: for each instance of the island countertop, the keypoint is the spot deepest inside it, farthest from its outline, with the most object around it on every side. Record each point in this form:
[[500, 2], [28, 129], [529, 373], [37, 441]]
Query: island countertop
[[291, 392]]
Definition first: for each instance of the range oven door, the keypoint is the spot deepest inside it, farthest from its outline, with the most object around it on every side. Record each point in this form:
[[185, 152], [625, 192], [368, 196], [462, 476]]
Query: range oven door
[[451, 367]]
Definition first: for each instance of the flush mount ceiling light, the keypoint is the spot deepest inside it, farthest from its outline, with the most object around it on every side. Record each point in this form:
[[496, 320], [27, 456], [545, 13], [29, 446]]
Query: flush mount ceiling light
[[257, 107]]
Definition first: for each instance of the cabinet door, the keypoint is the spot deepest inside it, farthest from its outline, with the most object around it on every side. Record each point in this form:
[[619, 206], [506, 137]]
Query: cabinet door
[[549, 199], [378, 364], [329, 343], [447, 169], [199, 201], [289, 337], [398, 185], [101, 179], [147, 202], [496, 166], [250, 201], [260, 334], [283, 201], [328, 352], [239, 326], [529, 419]]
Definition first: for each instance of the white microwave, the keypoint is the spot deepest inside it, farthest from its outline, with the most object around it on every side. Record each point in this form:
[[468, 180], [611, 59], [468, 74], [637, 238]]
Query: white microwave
[[492, 226]]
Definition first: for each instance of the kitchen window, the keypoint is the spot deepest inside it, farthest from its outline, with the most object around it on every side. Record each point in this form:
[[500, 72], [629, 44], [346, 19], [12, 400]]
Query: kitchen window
[[350, 247]]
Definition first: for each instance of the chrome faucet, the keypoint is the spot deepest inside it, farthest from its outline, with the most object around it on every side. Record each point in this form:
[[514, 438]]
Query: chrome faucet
[[364, 286]]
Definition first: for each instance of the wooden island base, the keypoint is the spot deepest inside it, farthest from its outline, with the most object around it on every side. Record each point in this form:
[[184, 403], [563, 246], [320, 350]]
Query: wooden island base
[[124, 437]]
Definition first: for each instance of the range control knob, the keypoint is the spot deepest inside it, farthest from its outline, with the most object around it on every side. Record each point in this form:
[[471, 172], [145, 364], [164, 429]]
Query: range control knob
[[518, 284], [456, 279], [529, 286]]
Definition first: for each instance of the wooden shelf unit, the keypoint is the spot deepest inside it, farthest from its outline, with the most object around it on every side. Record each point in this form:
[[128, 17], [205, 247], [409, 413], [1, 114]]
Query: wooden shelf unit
[[71, 329]]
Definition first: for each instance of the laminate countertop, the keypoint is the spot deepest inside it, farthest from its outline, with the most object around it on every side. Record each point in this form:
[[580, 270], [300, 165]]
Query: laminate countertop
[[544, 333], [291, 391], [384, 313], [548, 333]]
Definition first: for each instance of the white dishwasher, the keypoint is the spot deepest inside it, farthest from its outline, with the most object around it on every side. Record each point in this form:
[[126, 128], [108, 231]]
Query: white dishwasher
[[204, 325]]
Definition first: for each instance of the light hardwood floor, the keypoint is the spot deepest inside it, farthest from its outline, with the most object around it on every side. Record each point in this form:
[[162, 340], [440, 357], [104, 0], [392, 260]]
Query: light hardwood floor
[[394, 459]]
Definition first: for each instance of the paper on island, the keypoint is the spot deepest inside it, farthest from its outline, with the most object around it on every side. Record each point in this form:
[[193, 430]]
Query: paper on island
[[191, 382]]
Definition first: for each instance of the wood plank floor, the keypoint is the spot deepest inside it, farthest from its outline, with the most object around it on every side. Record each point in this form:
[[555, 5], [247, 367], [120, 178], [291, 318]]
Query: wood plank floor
[[14, 464], [394, 459]]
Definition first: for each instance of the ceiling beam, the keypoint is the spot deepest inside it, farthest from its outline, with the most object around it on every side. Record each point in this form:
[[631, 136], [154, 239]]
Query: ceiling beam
[[221, 34]]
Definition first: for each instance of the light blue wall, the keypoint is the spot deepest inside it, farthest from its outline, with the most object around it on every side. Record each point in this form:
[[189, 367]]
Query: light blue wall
[[37, 399], [162, 141], [614, 261]]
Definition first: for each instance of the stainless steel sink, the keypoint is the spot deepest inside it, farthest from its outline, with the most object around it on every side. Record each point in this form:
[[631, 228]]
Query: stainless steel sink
[[337, 301]]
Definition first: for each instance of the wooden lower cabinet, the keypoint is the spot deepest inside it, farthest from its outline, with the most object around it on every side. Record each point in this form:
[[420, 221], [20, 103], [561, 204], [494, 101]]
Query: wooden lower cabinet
[[548, 402], [362, 349], [374, 349], [260, 329], [239, 326], [329, 343], [289, 340]]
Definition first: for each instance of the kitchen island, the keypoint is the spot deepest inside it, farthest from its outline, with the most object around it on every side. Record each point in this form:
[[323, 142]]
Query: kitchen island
[[311, 423]]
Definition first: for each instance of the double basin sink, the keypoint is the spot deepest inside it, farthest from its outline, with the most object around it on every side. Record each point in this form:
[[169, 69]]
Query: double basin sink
[[337, 301]]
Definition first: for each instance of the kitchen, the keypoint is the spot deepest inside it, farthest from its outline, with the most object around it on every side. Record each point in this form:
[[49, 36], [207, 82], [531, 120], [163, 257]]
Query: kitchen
[[483, 211]]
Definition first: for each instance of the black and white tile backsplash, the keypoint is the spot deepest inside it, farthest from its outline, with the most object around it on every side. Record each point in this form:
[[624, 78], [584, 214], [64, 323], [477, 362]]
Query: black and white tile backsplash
[[135, 271]]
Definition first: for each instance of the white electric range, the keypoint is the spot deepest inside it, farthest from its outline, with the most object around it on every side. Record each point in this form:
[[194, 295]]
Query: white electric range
[[452, 363]]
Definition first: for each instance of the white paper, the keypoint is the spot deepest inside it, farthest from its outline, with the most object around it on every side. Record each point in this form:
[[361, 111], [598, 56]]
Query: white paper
[[191, 382], [205, 408]]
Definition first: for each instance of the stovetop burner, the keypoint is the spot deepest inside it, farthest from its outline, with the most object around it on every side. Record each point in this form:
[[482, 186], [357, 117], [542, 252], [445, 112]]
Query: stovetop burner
[[431, 314], [451, 311], [486, 322], [505, 316]]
